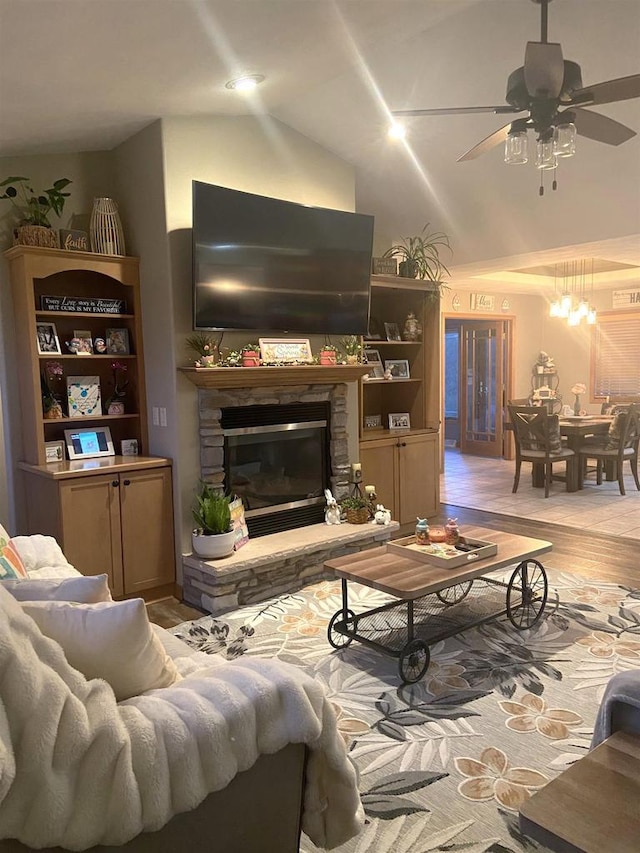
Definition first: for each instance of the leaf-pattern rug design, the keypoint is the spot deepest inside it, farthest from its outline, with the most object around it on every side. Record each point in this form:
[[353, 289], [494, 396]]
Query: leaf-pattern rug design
[[444, 764]]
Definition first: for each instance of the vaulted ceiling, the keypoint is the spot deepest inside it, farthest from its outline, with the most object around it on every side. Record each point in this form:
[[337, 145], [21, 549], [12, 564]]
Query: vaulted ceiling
[[87, 75]]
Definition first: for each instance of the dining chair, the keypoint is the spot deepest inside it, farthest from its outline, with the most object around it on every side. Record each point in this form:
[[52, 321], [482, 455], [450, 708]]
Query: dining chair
[[537, 438], [621, 445]]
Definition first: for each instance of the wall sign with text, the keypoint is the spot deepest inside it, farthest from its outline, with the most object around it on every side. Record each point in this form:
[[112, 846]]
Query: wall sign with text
[[626, 298], [483, 302]]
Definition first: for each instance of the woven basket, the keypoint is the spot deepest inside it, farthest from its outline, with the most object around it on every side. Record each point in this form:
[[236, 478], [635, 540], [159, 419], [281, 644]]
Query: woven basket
[[35, 235], [358, 516]]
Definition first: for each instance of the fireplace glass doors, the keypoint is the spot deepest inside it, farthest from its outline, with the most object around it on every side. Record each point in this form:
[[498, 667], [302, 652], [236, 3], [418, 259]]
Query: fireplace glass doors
[[276, 459]]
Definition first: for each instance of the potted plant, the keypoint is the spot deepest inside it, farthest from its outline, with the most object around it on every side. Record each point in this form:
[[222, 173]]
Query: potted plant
[[328, 355], [351, 348], [115, 404], [34, 228], [51, 405], [213, 537], [206, 347], [356, 509], [250, 355], [420, 256]]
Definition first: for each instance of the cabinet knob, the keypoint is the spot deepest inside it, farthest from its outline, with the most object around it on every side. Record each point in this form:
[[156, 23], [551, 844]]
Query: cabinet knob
[[127, 482], [115, 484], [403, 444]]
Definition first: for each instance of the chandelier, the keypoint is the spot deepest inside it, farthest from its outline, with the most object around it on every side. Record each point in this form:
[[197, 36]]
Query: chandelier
[[570, 293]]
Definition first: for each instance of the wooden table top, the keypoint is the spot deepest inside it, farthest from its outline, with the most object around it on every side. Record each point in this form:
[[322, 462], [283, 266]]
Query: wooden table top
[[592, 807], [589, 425], [407, 578]]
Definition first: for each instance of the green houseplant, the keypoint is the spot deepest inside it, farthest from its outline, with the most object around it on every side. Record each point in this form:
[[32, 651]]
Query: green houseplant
[[351, 347], [420, 256], [213, 537], [206, 347], [34, 227], [356, 509]]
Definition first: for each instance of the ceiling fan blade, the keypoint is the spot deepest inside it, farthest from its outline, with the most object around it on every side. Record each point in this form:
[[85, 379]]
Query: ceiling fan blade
[[622, 89], [452, 111], [601, 128], [543, 69], [487, 144]]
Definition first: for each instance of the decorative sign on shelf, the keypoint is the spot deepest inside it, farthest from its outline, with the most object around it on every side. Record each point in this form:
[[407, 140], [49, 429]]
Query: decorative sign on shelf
[[83, 305], [482, 302], [73, 240], [625, 299], [384, 266], [285, 350]]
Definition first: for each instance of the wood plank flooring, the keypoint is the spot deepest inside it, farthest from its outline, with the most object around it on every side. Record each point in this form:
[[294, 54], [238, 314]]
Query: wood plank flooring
[[590, 554]]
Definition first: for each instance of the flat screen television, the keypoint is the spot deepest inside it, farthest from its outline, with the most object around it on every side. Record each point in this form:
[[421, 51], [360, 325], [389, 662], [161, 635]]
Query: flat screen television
[[264, 263]]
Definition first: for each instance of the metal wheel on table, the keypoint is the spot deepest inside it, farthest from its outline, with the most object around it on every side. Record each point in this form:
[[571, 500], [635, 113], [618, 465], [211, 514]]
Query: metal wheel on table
[[527, 594], [414, 661], [454, 594], [337, 639]]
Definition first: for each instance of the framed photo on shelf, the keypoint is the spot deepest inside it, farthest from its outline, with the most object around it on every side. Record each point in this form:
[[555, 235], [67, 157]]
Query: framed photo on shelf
[[398, 367], [129, 447], [392, 331], [374, 362], [47, 338], [84, 342], [54, 451], [118, 341], [373, 421], [399, 420], [83, 396]]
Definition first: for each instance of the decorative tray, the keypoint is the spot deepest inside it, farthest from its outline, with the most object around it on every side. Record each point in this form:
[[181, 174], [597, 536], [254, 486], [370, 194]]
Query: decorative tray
[[438, 554]]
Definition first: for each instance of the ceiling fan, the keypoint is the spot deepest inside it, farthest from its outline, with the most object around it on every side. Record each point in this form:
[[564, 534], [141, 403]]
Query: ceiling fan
[[550, 89]]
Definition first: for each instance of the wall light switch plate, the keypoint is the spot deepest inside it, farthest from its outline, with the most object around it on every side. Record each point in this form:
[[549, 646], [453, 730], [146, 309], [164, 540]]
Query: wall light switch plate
[[163, 416], [155, 418]]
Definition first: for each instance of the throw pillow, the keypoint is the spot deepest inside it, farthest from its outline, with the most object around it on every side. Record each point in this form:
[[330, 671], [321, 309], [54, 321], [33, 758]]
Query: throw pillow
[[85, 590], [616, 428], [112, 640], [11, 566]]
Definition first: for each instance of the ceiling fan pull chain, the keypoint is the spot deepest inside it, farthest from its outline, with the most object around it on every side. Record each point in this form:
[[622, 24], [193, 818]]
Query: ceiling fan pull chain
[[554, 185], [541, 190]]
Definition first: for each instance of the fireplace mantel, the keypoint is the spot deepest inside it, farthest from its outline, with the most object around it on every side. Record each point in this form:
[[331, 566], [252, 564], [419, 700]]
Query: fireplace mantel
[[264, 377]]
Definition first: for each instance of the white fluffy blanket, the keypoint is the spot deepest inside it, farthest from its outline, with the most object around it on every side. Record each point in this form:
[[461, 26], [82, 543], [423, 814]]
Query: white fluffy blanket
[[77, 769]]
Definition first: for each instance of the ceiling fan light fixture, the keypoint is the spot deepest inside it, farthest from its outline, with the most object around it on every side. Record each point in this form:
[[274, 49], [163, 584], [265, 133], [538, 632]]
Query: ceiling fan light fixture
[[515, 148], [545, 157], [564, 139], [247, 83]]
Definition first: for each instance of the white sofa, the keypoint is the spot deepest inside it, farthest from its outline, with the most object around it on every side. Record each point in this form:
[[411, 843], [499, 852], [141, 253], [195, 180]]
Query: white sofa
[[233, 756]]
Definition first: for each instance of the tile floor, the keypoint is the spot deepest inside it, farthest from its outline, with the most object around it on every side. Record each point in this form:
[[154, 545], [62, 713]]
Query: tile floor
[[477, 482]]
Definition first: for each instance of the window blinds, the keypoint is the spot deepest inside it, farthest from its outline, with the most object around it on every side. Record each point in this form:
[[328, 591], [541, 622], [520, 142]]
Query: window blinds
[[617, 357]]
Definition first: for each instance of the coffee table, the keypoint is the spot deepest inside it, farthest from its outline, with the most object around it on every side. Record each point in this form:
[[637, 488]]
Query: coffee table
[[430, 603]]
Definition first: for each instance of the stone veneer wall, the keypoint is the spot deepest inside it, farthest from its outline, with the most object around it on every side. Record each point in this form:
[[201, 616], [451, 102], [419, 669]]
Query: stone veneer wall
[[212, 401]]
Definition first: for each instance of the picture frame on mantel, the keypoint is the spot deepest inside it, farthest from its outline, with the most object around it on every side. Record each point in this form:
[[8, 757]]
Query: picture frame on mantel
[[285, 350]]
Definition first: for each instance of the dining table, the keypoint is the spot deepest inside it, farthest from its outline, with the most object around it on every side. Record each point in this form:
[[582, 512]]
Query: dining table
[[577, 429]]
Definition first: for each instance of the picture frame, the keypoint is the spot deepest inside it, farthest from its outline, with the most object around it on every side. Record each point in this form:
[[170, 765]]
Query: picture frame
[[285, 350], [398, 367], [392, 331], [54, 451], [47, 339], [83, 397], [89, 442], [129, 447], [84, 338], [373, 421], [374, 362], [399, 420], [117, 341]]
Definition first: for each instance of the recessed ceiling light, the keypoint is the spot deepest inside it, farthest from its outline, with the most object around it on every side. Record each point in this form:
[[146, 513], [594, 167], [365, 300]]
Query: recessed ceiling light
[[246, 83], [397, 130]]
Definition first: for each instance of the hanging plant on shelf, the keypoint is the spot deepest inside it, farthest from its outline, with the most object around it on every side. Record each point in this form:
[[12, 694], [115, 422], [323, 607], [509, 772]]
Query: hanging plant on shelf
[[33, 209], [420, 258], [115, 403], [50, 377]]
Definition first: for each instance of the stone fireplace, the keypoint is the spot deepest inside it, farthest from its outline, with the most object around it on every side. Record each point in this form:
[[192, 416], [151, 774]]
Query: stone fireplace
[[314, 400]]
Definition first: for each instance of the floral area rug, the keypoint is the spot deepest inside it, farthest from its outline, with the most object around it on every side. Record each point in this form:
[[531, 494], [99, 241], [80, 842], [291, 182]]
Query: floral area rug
[[445, 763]]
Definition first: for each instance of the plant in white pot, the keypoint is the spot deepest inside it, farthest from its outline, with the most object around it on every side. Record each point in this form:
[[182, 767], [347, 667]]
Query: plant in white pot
[[213, 537]]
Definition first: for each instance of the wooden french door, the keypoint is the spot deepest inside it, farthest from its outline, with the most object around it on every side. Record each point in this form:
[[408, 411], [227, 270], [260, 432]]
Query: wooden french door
[[483, 359]]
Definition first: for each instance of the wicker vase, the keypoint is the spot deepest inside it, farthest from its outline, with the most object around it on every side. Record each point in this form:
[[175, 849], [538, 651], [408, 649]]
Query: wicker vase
[[35, 235], [105, 228], [358, 516]]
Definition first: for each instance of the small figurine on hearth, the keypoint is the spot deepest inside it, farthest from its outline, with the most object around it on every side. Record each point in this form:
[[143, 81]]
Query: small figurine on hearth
[[382, 515], [332, 512]]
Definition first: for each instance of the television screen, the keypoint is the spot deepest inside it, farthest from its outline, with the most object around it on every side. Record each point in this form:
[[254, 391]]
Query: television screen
[[263, 263]]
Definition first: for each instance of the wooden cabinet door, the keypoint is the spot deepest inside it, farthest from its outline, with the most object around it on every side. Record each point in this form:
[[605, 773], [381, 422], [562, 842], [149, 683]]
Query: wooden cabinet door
[[146, 508], [418, 477], [90, 522], [378, 460]]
